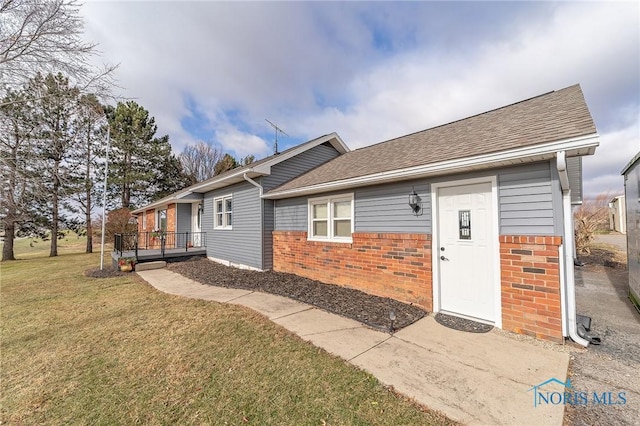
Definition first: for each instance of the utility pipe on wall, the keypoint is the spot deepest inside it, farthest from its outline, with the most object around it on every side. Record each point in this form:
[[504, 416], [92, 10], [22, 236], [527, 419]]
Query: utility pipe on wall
[[568, 277]]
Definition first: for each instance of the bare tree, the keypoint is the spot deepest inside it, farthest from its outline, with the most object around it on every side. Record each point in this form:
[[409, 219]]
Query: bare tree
[[199, 161], [45, 36], [592, 216]]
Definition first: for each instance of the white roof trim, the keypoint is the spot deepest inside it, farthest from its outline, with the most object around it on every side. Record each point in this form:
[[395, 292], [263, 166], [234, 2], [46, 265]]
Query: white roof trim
[[175, 198], [261, 169], [630, 163], [519, 155], [333, 138]]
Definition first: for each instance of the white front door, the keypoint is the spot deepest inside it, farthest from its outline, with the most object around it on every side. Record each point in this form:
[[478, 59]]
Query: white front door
[[196, 222], [465, 251]]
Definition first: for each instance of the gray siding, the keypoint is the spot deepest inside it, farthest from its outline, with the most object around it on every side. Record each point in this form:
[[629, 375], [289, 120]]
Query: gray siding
[[526, 200], [243, 243], [574, 171], [183, 219], [267, 236], [385, 208], [207, 218], [291, 214], [302, 163], [529, 199]]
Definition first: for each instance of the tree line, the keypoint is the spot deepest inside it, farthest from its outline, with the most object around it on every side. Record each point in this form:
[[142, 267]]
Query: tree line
[[55, 116], [54, 143]]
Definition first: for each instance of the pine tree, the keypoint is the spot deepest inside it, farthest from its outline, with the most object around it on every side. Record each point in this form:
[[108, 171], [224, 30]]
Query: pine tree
[[139, 161], [55, 109], [90, 133], [17, 187]]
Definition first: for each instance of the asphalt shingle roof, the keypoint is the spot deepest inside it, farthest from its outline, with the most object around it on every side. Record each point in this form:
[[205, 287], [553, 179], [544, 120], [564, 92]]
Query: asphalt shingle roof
[[554, 116]]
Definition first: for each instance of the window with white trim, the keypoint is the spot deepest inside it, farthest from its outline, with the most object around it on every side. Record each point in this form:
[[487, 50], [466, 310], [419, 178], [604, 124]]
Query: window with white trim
[[223, 212], [331, 218], [144, 221], [162, 219]]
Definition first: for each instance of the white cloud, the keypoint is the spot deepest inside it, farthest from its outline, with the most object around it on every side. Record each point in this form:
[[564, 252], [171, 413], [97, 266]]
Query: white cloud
[[242, 143], [315, 68], [602, 170]]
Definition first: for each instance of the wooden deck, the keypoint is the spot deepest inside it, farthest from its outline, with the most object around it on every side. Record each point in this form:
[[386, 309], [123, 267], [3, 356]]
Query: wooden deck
[[150, 255]]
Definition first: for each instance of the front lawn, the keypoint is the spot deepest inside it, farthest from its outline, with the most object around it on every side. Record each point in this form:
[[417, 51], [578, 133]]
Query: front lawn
[[115, 351]]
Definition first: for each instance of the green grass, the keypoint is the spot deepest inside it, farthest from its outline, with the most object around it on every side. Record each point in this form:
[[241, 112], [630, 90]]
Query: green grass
[[78, 350], [27, 248]]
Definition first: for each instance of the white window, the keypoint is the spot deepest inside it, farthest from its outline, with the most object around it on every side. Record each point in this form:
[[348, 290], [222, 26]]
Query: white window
[[223, 207], [144, 221], [162, 220], [331, 218]]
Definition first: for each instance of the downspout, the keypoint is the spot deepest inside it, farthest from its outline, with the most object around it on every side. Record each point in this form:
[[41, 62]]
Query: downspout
[[568, 276], [253, 182], [257, 185]]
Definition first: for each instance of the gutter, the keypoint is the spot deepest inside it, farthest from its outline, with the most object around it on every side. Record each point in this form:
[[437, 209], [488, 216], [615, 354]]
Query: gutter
[[483, 161], [567, 279]]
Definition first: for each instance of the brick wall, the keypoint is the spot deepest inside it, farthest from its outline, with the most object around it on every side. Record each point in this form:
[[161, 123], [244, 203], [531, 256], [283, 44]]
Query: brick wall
[[530, 281], [150, 220], [171, 218], [388, 265]]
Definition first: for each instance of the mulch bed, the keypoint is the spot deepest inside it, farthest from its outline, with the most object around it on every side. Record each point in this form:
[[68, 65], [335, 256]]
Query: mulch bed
[[370, 310], [107, 272]]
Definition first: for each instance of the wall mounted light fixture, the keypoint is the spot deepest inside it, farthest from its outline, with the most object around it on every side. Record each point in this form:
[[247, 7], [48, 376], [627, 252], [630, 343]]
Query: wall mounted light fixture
[[415, 202]]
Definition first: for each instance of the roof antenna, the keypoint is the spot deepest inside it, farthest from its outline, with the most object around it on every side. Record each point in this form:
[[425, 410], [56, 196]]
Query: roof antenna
[[277, 129]]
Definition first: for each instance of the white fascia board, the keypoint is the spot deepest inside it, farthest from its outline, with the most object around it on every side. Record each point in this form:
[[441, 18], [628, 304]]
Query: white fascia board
[[166, 200], [204, 187], [519, 155], [333, 139]]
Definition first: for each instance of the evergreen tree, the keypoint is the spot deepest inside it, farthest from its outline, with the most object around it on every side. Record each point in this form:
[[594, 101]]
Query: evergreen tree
[[90, 134], [55, 109], [226, 163], [138, 160], [17, 187]]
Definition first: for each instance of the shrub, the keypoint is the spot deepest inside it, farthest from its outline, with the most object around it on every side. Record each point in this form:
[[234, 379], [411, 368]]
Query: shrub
[[592, 216]]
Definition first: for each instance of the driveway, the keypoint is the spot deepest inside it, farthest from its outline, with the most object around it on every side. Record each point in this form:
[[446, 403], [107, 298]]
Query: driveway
[[616, 240], [614, 366]]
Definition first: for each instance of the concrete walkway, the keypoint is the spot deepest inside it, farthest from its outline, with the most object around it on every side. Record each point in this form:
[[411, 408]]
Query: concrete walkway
[[472, 378]]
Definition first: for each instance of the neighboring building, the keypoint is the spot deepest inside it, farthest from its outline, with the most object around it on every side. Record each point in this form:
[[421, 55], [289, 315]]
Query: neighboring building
[[617, 215], [471, 218], [631, 175]]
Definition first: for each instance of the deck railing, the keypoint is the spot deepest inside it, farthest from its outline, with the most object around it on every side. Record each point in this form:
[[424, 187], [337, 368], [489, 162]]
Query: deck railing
[[162, 241]]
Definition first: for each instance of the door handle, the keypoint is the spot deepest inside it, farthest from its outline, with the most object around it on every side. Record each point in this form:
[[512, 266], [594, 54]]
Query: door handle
[[443, 258]]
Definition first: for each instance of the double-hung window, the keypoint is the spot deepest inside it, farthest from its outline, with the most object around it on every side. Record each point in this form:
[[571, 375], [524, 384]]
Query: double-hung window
[[223, 212], [331, 218]]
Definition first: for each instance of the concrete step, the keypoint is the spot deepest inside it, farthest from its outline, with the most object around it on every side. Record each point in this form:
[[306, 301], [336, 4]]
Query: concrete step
[[147, 266]]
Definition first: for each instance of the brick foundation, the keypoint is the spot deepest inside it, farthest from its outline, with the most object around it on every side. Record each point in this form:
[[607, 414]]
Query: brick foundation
[[530, 282], [388, 265]]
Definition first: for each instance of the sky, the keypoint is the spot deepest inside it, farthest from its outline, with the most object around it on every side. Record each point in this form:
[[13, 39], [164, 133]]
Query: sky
[[370, 71]]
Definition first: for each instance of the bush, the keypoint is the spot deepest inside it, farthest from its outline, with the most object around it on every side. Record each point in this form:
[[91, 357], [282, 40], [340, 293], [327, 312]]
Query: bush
[[120, 221], [592, 216]]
